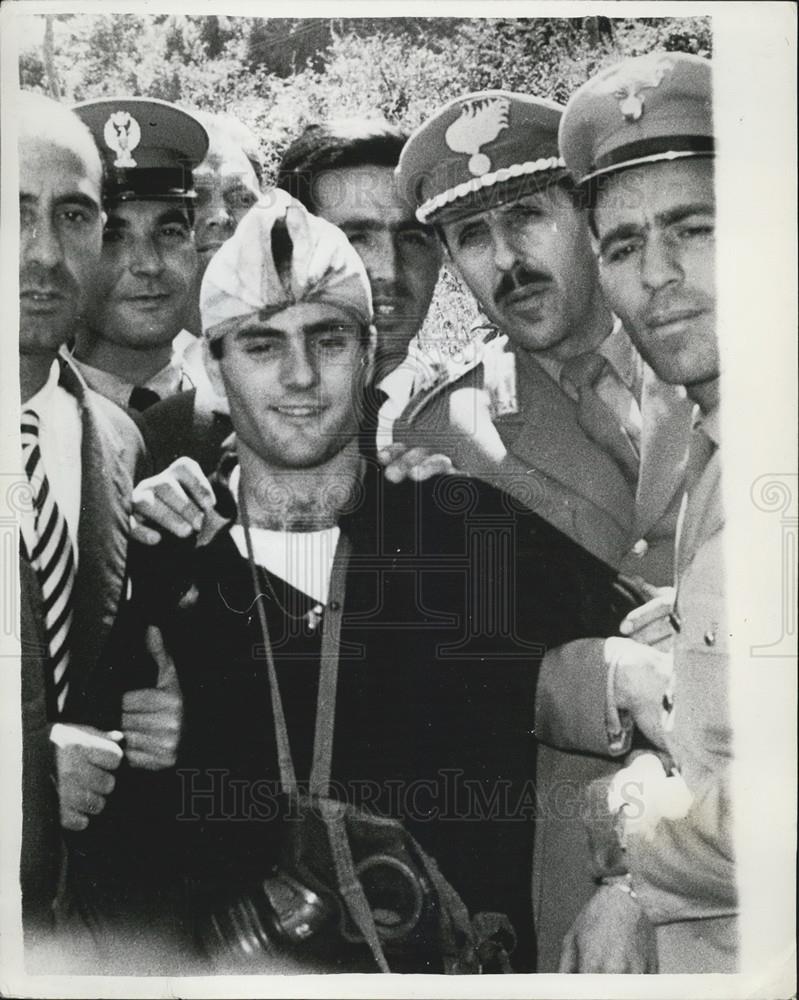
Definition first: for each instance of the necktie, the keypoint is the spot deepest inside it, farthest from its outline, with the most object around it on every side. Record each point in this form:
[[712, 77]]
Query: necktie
[[596, 418], [141, 398], [52, 558]]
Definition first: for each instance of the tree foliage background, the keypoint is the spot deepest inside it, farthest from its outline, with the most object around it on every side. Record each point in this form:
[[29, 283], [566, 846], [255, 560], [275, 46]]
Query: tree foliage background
[[278, 74]]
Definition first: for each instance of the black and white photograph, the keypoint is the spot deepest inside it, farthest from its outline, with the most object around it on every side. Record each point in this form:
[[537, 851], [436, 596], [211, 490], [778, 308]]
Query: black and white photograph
[[399, 500]]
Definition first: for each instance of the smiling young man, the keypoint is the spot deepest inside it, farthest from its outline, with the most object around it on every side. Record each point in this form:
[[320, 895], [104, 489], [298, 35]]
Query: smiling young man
[[426, 695], [639, 139], [145, 282]]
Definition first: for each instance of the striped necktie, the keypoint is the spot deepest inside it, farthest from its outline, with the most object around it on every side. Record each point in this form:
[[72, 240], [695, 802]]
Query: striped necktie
[[52, 558]]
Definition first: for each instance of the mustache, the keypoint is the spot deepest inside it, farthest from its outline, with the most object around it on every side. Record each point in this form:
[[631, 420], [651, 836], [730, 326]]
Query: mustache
[[518, 277]]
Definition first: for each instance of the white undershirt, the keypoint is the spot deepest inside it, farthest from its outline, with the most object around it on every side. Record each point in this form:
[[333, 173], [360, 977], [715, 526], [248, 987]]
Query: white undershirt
[[60, 436], [304, 559]]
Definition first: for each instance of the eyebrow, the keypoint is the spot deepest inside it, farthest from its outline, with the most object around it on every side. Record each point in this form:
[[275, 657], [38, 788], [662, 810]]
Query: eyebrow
[[255, 330], [328, 326], [69, 199], [674, 215], [170, 215], [373, 225]]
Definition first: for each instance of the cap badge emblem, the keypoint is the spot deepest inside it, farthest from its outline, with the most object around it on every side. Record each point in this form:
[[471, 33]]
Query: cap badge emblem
[[122, 134], [627, 89], [480, 122]]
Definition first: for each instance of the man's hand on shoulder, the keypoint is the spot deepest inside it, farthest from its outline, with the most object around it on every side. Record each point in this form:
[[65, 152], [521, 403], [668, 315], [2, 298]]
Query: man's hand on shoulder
[[417, 464], [611, 934], [175, 501], [479, 445]]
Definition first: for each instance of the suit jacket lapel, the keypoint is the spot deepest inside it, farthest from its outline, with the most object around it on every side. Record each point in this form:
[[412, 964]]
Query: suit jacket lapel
[[702, 518], [665, 435], [102, 535], [546, 432]]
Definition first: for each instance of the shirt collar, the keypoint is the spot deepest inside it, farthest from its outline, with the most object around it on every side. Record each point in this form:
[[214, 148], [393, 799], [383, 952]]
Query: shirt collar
[[616, 348], [165, 382], [709, 424], [41, 401]]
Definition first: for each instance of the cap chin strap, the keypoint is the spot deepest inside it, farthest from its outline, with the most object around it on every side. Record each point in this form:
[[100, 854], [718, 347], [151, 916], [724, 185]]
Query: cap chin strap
[[441, 201], [671, 147]]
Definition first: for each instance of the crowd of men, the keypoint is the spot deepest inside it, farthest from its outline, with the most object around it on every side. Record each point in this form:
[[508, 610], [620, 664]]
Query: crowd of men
[[279, 541]]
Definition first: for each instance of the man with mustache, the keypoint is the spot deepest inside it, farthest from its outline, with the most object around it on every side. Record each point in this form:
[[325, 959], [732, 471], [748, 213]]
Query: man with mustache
[[81, 456], [639, 140], [145, 281], [570, 420]]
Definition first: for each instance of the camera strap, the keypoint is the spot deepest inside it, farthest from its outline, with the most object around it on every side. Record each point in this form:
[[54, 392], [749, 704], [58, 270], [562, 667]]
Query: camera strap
[[332, 813], [328, 670]]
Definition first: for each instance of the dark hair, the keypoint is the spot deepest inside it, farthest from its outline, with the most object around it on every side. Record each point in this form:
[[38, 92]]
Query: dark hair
[[335, 145]]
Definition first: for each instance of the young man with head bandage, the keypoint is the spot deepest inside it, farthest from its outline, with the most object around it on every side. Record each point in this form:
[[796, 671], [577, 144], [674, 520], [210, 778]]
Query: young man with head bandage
[[448, 597]]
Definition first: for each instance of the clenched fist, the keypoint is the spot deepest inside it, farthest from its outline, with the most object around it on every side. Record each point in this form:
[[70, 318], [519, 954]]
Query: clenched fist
[[86, 759]]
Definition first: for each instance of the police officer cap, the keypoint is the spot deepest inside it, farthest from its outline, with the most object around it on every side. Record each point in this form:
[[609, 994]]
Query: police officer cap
[[642, 110], [149, 147], [466, 156]]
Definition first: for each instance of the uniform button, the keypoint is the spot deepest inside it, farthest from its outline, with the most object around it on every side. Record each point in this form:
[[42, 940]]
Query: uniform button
[[334, 606], [710, 637], [641, 548]]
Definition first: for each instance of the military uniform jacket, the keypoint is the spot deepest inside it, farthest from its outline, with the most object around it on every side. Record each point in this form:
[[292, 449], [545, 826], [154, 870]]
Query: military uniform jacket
[[685, 877], [578, 488], [572, 482]]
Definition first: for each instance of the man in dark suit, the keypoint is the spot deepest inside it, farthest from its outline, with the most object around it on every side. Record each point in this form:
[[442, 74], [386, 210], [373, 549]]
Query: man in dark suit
[[81, 456]]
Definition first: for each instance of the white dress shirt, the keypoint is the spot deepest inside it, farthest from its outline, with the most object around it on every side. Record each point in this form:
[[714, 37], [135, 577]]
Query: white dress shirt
[[170, 380], [60, 437]]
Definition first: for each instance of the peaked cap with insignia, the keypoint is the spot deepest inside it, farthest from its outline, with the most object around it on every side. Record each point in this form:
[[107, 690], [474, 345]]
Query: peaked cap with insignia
[[642, 110], [149, 147], [476, 145]]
